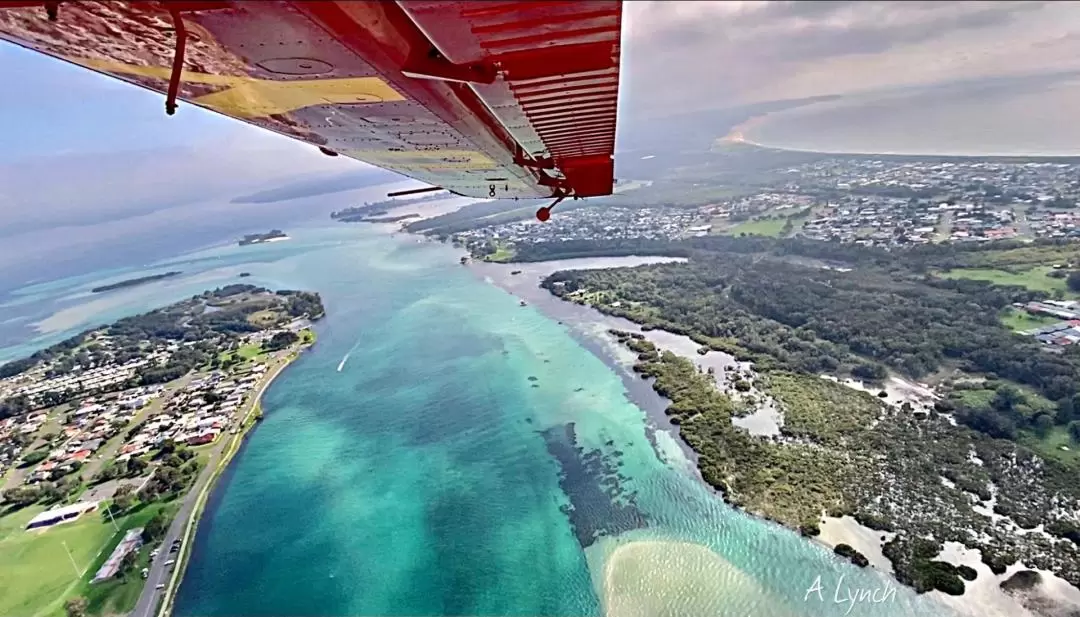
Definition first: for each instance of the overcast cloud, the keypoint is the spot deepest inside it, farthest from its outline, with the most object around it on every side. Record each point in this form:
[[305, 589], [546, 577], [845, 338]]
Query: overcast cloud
[[127, 158], [684, 56]]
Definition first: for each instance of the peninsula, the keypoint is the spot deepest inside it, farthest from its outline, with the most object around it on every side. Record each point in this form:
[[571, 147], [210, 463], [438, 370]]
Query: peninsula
[[135, 281], [121, 431], [366, 212]]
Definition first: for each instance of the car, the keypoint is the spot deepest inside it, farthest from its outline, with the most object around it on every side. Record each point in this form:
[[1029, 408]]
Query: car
[[160, 586], [170, 562]]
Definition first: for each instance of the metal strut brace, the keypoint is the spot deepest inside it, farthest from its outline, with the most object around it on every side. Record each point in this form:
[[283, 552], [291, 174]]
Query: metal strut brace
[[177, 63]]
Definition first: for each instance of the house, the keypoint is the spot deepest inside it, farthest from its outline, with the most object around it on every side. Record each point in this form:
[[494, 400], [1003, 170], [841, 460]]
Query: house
[[202, 438]]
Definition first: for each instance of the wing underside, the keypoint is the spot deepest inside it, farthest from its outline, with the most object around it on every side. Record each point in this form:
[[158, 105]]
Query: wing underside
[[483, 98]]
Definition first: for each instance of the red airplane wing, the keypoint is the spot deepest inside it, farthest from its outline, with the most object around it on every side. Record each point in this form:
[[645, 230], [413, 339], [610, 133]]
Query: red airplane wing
[[483, 98]]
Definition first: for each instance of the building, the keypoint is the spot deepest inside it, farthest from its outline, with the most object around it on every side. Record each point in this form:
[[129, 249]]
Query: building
[[61, 515], [132, 541]]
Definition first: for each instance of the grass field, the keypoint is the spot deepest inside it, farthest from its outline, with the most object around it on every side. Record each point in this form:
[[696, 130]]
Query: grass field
[[1050, 446], [763, 227], [263, 319], [1020, 321], [502, 254], [36, 575], [1030, 256], [244, 352], [1033, 278]]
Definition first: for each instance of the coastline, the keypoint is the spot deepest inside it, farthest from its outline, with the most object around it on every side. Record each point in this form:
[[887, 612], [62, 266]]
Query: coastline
[[982, 597], [164, 606], [737, 136]]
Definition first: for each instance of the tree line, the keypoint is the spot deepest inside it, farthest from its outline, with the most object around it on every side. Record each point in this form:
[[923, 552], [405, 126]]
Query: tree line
[[776, 302]]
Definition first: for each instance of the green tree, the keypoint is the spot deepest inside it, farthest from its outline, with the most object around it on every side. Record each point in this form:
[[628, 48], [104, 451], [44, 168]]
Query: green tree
[[122, 502], [33, 457], [22, 495], [281, 340], [76, 607], [1042, 424], [1074, 430], [155, 527], [127, 564], [135, 466], [168, 446], [1073, 280]]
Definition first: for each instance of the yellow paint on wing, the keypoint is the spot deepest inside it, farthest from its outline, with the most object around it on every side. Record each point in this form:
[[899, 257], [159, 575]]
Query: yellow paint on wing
[[248, 97], [433, 160]]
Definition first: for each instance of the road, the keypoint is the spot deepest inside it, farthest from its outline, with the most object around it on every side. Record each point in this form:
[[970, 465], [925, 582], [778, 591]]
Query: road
[[159, 573]]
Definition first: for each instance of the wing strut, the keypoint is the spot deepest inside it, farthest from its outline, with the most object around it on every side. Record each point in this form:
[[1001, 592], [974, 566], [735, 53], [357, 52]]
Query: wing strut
[[177, 63]]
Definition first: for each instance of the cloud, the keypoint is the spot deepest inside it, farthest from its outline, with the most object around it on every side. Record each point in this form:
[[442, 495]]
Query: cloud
[[85, 187], [682, 56]]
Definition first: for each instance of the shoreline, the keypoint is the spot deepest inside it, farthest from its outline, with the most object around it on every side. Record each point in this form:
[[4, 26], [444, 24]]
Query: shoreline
[[246, 424], [736, 136], [982, 597]]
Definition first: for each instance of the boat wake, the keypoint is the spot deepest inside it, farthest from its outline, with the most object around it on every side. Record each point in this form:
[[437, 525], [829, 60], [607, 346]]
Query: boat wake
[[341, 364]]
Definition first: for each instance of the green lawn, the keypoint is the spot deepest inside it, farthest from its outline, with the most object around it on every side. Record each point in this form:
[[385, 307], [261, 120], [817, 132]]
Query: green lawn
[[763, 227], [1050, 446], [1033, 278], [976, 398], [244, 352], [502, 254], [1021, 321], [36, 575]]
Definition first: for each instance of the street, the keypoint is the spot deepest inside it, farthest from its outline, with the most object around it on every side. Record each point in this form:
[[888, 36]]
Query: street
[[159, 573]]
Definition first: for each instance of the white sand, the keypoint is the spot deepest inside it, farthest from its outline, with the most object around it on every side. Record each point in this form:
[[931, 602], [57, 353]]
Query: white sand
[[899, 391], [651, 578], [846, 530], [983, 597]]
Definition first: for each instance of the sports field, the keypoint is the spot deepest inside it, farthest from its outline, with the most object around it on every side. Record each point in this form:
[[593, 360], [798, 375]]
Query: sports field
[[1034, 278], [1022, 321], [762, 227], [36, 575]]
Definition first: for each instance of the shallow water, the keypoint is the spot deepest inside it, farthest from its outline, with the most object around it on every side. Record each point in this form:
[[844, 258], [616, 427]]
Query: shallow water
[[445, 451]]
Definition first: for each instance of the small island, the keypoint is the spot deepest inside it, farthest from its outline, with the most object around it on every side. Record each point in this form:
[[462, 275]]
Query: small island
[[274, 235], [135, 281], [389, 219], [374, 212]]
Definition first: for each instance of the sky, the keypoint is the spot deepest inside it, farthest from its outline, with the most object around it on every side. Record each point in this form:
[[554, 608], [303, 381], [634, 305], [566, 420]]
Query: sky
[[79, 149], [700, 55]]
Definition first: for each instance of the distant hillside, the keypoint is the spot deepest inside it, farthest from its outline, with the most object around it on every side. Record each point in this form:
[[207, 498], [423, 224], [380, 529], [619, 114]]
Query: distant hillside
[[320, 186]]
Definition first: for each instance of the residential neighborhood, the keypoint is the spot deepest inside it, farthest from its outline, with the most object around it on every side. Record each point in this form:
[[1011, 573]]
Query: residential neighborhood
[[116, 434], [882, 203], [106, 431]]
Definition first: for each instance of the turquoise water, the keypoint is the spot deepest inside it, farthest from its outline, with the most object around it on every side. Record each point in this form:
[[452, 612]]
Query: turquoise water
[[445, 451]]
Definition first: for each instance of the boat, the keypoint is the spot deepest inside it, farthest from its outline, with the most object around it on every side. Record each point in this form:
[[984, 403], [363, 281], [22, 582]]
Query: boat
[[522, 303]]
